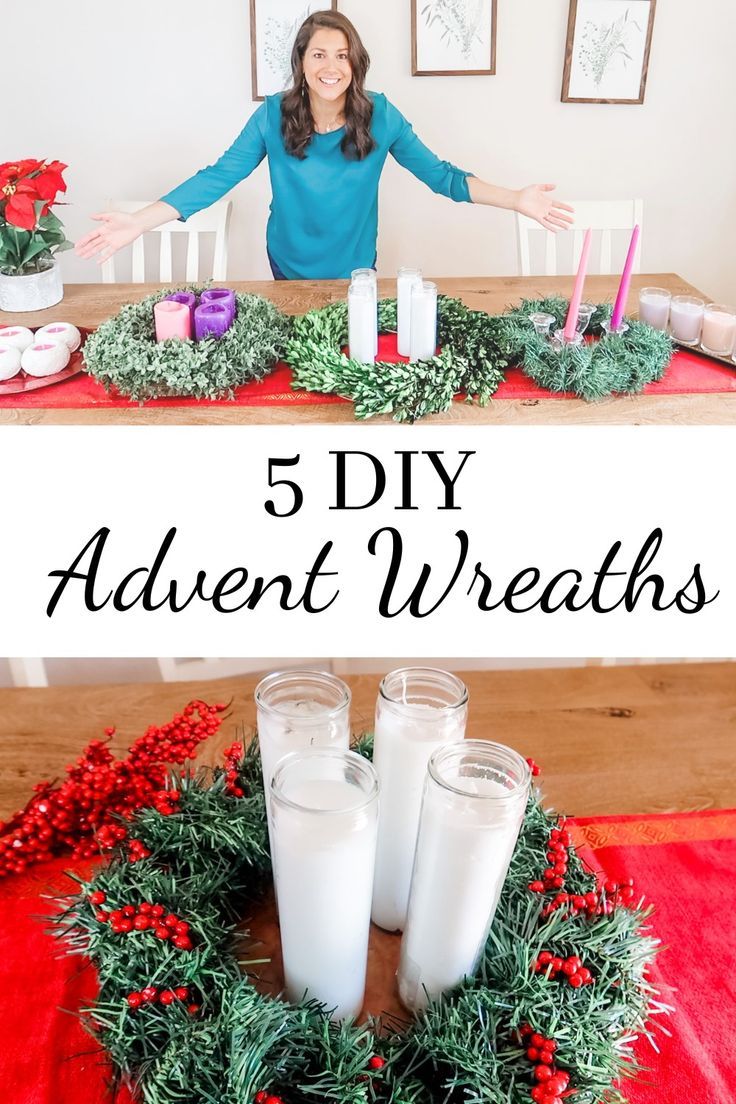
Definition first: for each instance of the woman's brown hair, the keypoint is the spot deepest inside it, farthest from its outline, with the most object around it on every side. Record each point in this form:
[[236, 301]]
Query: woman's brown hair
[[297, 124]]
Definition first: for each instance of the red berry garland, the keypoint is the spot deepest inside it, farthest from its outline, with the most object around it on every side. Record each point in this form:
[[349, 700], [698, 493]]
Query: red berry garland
[[166, 997], [81, 813], [552, 1083], [233, 756], [571, 968], [166, 926]]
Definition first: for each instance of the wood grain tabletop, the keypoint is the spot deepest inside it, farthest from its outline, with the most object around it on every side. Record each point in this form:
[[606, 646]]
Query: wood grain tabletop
[[90, 304]]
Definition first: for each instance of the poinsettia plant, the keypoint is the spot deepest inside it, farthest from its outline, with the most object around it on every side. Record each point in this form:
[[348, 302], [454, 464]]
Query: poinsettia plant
[[30, 233]]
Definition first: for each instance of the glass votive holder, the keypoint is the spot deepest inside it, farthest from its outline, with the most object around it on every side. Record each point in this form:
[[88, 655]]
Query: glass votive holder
[[560, 341], [299, 709], [654, 307], [608, 331], [686, 318], [542, 322], [585, 313], [719, 329], [418, 710], [475, 797], [324, 816]]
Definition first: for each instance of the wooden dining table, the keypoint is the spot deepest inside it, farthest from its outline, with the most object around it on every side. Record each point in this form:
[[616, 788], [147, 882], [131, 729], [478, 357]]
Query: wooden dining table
[[87, 305], [657, 738]]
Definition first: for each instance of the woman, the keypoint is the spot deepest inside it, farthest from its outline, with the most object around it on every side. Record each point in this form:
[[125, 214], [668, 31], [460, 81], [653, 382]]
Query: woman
[[326, 140]]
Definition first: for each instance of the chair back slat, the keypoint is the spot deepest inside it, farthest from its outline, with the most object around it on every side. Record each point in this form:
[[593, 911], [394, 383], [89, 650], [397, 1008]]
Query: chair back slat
[[138, 274], [193, 257], [165, 258], [604, 217]]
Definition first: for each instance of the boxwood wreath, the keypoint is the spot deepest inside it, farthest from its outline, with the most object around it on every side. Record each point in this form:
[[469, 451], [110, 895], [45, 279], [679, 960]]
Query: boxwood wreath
[[123, 353], [182, 1023], [476, 349]]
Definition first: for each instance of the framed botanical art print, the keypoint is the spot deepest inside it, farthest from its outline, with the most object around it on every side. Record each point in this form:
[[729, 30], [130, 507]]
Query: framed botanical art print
[[607, 51], [273, 27], [453, 38]]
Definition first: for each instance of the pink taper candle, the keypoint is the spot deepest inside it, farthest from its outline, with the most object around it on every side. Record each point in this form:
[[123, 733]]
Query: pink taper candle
[[577, 292], [172, 320], [623, 288]]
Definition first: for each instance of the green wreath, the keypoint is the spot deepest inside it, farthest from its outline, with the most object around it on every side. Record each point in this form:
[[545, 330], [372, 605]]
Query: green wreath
[[123, 352], [476, 348], [472, 360], [616, 364], [182, 1023]]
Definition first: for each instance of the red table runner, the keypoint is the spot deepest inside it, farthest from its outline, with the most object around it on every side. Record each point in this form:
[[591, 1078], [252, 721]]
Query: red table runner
[[688, 374], [683, 863]]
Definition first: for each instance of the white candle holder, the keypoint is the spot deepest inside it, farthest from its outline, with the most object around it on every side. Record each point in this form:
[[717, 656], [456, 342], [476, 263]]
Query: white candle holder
[[362, 323], [418, 709], [585, 313], [474, 802], [324, 814], [423, 326], [300, 709], [406, 280], [369, 276]]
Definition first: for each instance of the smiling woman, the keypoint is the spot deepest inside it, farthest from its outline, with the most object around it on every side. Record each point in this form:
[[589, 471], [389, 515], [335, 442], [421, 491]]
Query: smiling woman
[[326, 140]]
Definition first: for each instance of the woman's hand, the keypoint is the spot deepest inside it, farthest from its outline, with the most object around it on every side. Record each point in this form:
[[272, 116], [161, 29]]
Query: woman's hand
[[118, 229], [535, 202]]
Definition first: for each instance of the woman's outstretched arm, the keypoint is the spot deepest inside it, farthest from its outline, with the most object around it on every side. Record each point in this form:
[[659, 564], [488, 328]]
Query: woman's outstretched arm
[[535, 202], [120, 228]]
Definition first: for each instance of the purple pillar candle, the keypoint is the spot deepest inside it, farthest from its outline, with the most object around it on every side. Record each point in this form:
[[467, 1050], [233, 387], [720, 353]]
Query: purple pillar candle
[[185, 297], [221, 295], [211, 320]]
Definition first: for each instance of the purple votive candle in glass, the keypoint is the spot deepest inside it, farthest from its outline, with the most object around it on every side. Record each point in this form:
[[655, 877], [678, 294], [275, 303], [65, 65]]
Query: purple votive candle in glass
[[185, 297], [221, 295], [211, 320]]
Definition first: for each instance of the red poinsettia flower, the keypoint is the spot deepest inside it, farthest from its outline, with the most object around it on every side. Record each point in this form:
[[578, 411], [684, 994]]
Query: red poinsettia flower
[[20, 208], [12, 171], [49, 180]]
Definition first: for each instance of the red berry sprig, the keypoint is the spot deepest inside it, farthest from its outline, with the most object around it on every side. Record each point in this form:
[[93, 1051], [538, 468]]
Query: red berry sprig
[[152, 995], [166, 926], [533, 767], [82, 813], [262, 1097], [233, 756], [570, 968], [137, 851], [558, 856], [551, 1082]]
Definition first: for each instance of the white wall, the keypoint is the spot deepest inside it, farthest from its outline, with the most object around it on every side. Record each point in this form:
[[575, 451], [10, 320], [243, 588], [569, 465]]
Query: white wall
[[136, 96]]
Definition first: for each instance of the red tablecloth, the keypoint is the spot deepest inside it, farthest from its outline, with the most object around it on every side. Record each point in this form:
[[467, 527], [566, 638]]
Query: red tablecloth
[[683, 863], [688, 374]]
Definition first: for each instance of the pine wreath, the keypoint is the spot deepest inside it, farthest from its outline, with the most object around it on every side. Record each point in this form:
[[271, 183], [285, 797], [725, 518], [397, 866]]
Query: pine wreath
[[182, 1023], [123, 352], [472, 360], [476, 348]]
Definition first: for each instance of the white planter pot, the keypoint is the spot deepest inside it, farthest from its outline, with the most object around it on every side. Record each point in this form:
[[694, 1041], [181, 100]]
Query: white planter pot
[[31, 293]]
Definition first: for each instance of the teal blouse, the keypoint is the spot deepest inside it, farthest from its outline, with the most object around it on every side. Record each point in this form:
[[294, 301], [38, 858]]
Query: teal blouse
[[324, 211]]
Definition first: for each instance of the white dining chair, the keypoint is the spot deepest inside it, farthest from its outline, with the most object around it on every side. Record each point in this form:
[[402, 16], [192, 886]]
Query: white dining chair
[[213, 220], [603, 216]]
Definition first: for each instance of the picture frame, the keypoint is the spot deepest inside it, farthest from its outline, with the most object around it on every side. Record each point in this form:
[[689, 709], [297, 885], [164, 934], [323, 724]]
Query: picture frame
[[273, 27], [607, 51], [453, 38]]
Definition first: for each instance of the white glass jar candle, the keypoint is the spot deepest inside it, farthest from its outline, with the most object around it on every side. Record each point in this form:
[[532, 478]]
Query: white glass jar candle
[[324, 814], [418, 710], [407, 278], [297, 710], [369, 276], [719, 329], [423, 335], [686, 319], [654, 307], [474, 802], [362, 324]]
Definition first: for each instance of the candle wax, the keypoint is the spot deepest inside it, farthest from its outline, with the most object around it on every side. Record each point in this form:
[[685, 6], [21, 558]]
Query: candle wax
[[463, 856], [654, 310], [404, 743], [686, 322], [297, 725], [719, 331], [323, 873]]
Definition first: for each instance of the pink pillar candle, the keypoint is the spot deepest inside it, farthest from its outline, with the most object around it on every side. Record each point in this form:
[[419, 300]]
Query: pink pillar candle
[[577, 292], [623, 288], [719, 329], [172, 320]]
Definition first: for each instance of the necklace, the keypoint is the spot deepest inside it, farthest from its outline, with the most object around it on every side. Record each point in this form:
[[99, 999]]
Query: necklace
[[329, 127]]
